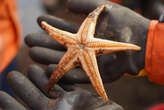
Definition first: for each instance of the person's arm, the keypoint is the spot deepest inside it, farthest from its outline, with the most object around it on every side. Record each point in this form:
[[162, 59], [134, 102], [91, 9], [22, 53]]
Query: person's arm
[[9, 32]]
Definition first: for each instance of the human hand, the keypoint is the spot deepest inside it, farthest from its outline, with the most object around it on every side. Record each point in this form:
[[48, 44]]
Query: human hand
[[32, 94], [117, 23]]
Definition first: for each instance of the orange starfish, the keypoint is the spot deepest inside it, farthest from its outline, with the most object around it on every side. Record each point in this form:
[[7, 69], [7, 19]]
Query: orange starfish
[[82, 48]]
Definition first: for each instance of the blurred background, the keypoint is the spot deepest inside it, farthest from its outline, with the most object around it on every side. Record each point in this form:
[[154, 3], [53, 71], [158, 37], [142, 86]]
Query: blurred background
[[28, 11], [131, 93]]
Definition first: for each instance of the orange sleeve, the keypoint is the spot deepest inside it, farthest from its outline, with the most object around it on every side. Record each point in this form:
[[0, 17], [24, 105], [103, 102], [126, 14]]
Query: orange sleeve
[[9, 32], [154, 59]]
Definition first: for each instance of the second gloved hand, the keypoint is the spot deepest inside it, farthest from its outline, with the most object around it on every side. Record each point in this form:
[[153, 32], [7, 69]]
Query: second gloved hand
[[32, 94]]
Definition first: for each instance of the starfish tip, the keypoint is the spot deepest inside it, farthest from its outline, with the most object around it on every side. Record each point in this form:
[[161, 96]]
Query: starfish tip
[[43, 23], [138, 48]]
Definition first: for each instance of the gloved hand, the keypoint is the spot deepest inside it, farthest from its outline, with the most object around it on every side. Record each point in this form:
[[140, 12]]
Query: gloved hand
[[118, 24], [33, 96]]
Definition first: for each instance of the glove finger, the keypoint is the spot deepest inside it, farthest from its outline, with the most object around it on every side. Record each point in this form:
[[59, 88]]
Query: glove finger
[[26, 91], [38, 76], [45, 55], [9, 103], [58, 23], [42, 40], [84, 6], [76, 75]]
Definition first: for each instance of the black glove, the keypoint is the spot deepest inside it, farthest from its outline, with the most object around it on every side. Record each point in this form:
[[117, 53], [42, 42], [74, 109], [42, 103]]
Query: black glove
[[118, 24], [33, 96]]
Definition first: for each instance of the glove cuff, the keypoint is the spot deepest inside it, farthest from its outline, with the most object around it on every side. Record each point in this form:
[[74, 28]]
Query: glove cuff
[[154, 60]]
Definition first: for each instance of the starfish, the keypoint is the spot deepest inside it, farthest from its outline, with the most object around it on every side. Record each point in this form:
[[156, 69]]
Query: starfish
[[82, 48]]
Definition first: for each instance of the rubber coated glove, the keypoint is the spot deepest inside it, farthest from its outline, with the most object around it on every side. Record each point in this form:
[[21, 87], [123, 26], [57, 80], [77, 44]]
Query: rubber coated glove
[[117, 24], [33, 96]]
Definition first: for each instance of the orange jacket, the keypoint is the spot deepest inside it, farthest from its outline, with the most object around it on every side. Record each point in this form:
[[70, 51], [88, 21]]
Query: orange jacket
[[9, 32]]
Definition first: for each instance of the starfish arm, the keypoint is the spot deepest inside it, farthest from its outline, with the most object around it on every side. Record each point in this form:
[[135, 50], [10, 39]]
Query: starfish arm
[[68, 62], [102, 46], [89, 64], [61, 36], [87, 29]]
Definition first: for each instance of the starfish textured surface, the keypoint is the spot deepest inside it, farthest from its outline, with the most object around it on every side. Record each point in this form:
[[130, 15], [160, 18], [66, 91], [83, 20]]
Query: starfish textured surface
[[82, 48]]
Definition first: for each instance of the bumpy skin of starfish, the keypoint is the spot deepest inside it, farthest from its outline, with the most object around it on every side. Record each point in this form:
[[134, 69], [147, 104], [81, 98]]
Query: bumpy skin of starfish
[[82, 48]]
